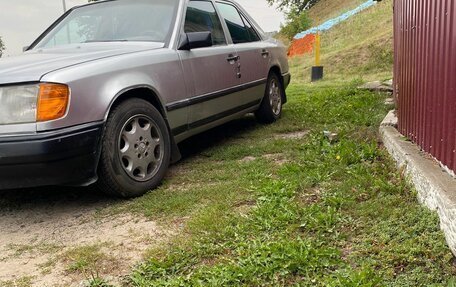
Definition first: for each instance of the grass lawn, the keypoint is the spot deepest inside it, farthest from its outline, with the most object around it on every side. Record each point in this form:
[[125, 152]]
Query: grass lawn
[[281, 205]]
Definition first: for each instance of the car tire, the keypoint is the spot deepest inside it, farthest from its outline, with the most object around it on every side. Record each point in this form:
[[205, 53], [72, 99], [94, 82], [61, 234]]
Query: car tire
[[270, 109], [135, 151]]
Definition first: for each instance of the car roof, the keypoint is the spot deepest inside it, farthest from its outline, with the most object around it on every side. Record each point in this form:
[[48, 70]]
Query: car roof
[[102, 1]]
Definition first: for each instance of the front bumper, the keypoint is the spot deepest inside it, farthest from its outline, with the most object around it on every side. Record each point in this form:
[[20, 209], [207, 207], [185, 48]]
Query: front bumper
[[63, 157]]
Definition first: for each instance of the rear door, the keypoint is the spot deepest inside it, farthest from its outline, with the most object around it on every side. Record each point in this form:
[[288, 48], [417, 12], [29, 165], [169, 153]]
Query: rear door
[[212, 70], [254, 57]]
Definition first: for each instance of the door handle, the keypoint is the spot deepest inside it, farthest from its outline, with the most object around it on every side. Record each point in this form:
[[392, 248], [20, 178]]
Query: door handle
[[232, 58], [265, 53]]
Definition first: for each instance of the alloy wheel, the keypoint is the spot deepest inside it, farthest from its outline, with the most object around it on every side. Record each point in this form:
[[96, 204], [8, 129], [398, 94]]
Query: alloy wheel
[[141, 148], [275, 97]]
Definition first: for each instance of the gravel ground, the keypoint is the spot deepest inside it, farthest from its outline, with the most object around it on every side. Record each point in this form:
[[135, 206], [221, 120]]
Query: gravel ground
[[40, 227]]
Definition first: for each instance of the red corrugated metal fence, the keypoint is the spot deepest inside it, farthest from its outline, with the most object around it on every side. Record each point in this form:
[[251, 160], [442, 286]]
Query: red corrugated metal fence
[[425, 75]]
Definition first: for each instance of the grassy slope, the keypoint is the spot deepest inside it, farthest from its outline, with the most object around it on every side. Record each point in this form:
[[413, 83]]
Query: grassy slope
[[361, 47], [327, 9]]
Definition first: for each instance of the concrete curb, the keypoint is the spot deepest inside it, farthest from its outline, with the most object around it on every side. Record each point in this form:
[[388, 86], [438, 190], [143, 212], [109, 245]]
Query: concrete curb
[[436, 188]]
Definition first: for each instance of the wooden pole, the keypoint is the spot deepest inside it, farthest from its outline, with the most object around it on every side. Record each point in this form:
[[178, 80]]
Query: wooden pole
[[317, 70]]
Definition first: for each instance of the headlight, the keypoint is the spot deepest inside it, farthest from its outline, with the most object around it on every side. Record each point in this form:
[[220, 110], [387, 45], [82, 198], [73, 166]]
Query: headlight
[[33, 103], [18, 104]]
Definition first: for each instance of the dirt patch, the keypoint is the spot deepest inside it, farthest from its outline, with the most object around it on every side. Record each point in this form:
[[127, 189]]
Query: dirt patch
[[177, 170], [310, 197], [293, 136], [278, 158], [247, 159], [244, 207], [37, 236]]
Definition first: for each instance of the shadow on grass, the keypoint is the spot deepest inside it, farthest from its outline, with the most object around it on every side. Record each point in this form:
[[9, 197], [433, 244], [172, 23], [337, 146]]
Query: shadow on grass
[[46, 199], [217, 136]]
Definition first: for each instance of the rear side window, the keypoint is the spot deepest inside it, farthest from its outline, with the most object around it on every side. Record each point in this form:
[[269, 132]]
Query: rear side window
[[240, 29], [202, 17]]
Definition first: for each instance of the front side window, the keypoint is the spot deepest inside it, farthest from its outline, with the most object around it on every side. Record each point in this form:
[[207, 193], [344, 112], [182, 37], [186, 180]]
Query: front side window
[[202, 17], [122, 20], [240, 29]]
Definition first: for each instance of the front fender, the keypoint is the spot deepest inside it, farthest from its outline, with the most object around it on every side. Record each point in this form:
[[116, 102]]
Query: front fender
[[95, 85]]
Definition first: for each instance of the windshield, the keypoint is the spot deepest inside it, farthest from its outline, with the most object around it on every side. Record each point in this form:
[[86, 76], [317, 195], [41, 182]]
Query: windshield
[[121, 20]]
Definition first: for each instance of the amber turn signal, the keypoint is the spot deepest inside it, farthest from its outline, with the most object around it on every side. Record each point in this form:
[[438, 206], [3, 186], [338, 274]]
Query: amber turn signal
[[52, 102]]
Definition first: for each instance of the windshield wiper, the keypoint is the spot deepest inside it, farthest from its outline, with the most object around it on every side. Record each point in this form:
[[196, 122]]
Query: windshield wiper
[[117, 40]]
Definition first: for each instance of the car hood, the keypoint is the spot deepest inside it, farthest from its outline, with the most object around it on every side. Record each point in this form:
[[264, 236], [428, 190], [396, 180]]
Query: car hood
[[33, 65]]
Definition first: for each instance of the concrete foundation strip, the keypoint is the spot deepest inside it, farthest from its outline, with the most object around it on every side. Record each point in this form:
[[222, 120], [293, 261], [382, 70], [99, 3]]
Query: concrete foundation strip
[[436, 188]]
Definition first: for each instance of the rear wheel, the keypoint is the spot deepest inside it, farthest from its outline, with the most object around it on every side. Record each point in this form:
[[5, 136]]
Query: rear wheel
[[135, 150], [271, 107]]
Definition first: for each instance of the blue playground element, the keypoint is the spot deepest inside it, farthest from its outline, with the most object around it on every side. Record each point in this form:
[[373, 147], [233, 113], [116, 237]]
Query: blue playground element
[[331, 23]]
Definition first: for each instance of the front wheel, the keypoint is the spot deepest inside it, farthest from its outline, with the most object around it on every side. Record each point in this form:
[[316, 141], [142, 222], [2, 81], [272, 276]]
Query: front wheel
[[270, 109], [135, 150]]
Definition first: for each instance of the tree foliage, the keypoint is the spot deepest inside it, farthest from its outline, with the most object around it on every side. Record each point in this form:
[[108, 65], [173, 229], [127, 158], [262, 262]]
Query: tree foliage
[[297, 19], [293, 6], [2, 47], [296, 23]]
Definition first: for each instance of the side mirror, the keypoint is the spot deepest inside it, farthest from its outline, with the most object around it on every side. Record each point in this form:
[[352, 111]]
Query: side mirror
[[195, 40]]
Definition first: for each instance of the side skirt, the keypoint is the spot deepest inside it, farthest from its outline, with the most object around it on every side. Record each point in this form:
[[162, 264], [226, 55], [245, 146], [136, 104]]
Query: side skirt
[[182, 129]]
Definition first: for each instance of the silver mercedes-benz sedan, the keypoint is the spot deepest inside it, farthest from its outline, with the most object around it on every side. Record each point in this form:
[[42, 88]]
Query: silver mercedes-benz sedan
[[105, 94]]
